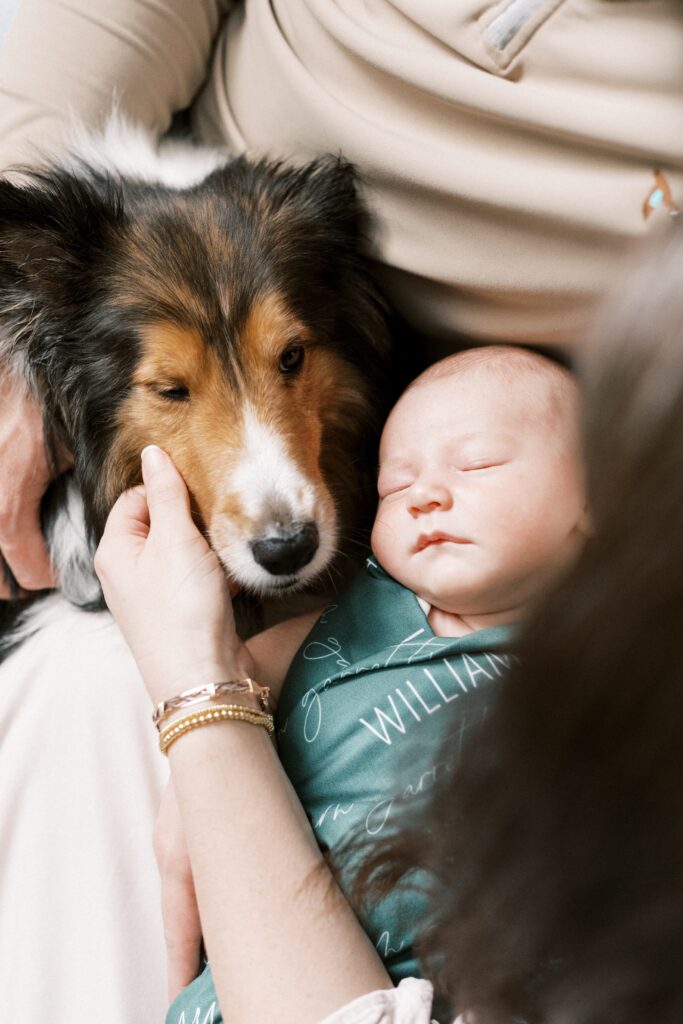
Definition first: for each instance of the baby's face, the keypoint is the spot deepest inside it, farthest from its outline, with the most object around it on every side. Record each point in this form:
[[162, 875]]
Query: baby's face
[[481, 495]]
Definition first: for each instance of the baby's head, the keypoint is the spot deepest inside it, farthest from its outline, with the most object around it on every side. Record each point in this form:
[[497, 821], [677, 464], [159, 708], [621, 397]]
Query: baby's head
[[481, 493]]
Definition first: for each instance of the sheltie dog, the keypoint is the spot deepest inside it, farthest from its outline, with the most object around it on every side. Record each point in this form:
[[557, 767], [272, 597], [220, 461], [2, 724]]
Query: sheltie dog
[[219, 307]]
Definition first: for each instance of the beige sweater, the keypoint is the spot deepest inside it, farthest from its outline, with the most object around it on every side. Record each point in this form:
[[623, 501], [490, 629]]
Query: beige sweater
[[507, 147]]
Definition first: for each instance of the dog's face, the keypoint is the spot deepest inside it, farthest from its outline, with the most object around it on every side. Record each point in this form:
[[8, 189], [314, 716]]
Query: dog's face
[[245, 424], [233, 324]]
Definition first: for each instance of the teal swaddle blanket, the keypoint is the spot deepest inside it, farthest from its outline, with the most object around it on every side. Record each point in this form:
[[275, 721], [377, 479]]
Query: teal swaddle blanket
[[373, 711]]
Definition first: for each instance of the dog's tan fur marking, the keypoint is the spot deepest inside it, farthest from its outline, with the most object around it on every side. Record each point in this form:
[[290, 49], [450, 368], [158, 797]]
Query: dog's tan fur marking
[[290, 407], [204, 434]]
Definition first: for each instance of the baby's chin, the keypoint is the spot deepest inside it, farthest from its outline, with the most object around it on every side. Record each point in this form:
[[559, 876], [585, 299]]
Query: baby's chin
[[435, 585], [462, 602]]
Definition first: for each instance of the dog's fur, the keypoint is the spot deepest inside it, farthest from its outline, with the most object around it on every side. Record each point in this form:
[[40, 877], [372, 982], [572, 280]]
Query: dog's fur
[[221, 308]]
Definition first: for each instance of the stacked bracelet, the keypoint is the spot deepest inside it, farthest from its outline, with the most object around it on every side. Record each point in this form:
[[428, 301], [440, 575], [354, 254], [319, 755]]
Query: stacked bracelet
[[207, 716], [198, 694]]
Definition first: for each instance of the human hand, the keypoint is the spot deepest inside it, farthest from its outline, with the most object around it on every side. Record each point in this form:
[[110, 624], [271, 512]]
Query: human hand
[[182, 927], [165, 586], [24, 477]]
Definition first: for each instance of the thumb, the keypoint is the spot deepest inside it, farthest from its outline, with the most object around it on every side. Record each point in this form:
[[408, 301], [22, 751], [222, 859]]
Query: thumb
[[167, 497]]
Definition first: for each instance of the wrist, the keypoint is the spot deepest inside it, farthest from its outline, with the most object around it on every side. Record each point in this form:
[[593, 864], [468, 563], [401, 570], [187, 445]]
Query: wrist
[[188, 703], [166, 681]]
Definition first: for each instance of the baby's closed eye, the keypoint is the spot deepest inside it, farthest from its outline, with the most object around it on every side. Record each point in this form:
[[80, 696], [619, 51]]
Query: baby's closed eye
[[395, 476], [470, 465], [395, 487]]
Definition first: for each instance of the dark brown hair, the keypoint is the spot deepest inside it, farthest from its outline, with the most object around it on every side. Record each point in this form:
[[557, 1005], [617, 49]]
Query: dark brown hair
[[557, 845]]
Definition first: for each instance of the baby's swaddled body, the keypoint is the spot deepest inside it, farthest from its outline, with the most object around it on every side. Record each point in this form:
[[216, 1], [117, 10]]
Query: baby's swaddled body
[[374, 709]]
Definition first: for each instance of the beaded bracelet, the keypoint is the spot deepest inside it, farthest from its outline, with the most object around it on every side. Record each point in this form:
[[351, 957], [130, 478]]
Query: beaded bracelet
[[209, 692], [207, 716]]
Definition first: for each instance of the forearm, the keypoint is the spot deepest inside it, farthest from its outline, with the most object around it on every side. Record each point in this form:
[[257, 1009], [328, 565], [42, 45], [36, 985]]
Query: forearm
[[73, 56], [272, 651], [283, 943]]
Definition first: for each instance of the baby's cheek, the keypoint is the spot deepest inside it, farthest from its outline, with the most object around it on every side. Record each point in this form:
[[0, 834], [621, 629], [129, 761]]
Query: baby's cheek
[[384, 536], [377, 535]]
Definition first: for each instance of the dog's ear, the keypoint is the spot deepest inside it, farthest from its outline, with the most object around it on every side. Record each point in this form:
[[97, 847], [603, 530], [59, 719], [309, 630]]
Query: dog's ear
[[326, 192], [320, 199], [330, 186], [53, 227]]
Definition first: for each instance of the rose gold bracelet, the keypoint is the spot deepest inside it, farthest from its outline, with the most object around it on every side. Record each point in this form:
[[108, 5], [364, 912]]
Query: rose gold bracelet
[[208, 716], [210, 692]]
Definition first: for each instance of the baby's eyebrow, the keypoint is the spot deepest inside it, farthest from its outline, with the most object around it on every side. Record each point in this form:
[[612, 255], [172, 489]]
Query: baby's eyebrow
[[394, 473], [394, 463], [474, 435], [492, 436]]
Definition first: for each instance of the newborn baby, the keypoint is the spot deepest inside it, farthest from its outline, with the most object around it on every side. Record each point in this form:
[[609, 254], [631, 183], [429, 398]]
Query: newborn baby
[[481, 505], [480, 487]]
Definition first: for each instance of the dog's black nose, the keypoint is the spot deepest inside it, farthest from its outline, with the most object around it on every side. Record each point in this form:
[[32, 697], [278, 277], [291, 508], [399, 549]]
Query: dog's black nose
[[283, 556]]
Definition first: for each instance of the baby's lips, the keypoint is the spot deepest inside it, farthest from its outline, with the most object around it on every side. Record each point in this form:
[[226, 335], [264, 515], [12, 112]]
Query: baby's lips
[[427, 540]]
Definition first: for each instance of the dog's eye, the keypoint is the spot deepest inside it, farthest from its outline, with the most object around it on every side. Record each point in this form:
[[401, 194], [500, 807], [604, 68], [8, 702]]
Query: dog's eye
[[175, 394], [292, 359]]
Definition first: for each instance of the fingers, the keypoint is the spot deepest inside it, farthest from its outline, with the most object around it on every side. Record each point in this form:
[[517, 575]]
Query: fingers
[[24, 477], [129, 516], [182, 931], [24, 553], [182, 927], [8, 584], [125, 532], [163, 501], [167, 497], [63, 459]]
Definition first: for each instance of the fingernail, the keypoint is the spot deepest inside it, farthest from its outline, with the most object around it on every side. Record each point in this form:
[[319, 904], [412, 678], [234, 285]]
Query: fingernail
[[153, 458]]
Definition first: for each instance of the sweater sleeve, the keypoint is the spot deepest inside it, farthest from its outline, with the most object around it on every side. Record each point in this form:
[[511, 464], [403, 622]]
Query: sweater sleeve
[[410, 1003], [64, 57]]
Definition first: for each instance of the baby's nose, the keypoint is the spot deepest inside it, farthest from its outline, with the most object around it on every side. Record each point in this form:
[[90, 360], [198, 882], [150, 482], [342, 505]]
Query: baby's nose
[[428, 496]]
